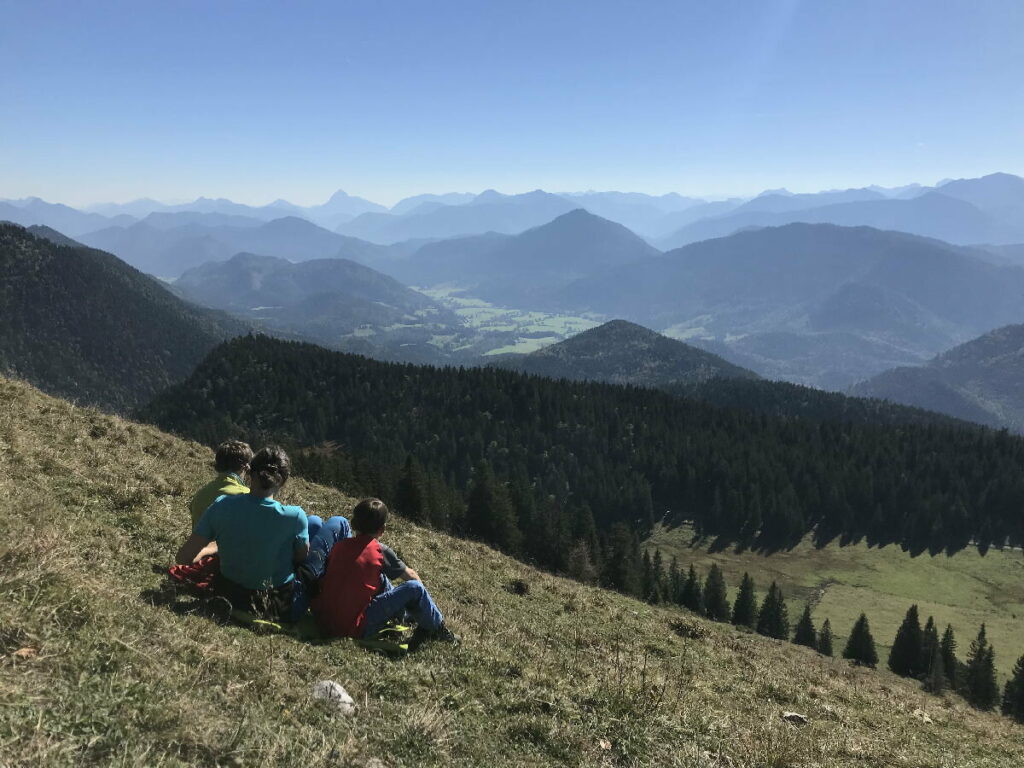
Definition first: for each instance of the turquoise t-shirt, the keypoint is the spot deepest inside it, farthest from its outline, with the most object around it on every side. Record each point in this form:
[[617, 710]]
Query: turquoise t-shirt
[[256, 539]]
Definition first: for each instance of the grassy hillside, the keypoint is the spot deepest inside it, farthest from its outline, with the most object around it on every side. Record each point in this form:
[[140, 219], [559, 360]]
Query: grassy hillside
[[964, 590], [100, 664]]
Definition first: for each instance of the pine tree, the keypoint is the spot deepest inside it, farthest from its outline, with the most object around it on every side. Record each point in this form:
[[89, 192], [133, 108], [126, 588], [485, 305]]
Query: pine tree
[[773, 618], [929, 642], [935, 677], [860, 647], [744, 610], [581, 565], [905, 655], [489, 511], [981, 689], [824, 644], [950, 664], [675, 581], [1013, 693], [621, 566], [692, 596], [410, 492], [805, 633], [716, 602]]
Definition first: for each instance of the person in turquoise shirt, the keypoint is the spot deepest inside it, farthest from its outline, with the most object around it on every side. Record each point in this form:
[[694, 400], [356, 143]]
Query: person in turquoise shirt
[[260, 541]]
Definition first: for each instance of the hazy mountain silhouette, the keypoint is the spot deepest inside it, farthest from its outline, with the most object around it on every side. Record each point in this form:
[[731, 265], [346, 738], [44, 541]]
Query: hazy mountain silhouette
[[981, 381], [69, 221], [931, 215], [817, 304], [408, 204], [515, 270], [83, 324], [620, 352], [639, 212], [489, 211], [334, 302], [167, 252]]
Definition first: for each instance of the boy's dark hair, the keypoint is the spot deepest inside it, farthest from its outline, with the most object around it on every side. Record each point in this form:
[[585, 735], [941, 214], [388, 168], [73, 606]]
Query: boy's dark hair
[[369, 516], [232, 456], [270, 467]]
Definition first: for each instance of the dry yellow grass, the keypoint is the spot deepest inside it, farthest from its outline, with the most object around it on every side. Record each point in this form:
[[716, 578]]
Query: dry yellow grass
[[101, 664]]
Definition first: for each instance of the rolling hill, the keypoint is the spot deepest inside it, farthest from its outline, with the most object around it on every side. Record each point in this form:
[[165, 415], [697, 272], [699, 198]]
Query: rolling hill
[[85, 325], [335, 302], [815, 304], [620, 352], [100, 655], [980, 381]]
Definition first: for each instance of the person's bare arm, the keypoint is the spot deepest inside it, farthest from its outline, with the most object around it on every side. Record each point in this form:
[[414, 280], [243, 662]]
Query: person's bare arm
[[191, 549]]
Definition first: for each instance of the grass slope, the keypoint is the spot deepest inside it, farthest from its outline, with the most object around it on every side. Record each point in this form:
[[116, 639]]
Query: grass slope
[[964, 590], [96, 667]]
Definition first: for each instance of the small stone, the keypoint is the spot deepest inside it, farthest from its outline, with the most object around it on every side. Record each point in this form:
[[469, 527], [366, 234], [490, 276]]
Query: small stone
[[923, 716], [796, 718], [604, 744], [336, 695], [25, 653]]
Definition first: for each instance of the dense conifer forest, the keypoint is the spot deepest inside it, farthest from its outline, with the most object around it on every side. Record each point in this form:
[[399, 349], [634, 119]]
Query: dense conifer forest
[[573, 475]]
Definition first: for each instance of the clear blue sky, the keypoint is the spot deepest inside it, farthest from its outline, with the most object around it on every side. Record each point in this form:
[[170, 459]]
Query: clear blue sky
[[256, 100]]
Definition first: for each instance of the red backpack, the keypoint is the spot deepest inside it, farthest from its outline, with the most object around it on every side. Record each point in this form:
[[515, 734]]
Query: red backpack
[[350, 582]]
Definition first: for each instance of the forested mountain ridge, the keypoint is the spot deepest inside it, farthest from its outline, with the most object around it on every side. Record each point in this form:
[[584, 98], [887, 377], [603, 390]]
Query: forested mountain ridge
[[81, 323], [594, 465], [334, 302], [980, 381], [620, 352]]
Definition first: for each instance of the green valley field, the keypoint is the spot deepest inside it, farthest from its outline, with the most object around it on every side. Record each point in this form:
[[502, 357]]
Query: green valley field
[[102, 663], [964, 590]]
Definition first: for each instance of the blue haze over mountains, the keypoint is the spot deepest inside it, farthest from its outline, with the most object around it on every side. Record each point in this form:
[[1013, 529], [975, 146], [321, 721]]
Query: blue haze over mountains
[[826, 289]]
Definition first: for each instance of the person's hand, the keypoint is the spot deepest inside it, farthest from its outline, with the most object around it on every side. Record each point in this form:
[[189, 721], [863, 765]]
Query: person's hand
[[410, 574]]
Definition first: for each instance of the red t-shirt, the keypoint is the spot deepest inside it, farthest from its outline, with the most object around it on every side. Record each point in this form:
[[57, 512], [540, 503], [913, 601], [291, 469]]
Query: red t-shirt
[[350, 582]]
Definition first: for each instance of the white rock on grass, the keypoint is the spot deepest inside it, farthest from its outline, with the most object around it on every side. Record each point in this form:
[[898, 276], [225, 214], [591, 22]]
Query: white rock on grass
[[334, 694]]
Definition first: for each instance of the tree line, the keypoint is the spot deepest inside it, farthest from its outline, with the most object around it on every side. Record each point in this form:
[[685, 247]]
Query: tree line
[[916, 652], [573, 475]]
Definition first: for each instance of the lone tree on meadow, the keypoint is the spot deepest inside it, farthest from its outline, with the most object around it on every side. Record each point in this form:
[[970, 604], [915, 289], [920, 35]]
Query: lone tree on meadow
[[824, 644], [744, 610], [716, 602], [1013, 693], [773, 618], [805, 634], [980, 687], [860, 647], [905, 655]]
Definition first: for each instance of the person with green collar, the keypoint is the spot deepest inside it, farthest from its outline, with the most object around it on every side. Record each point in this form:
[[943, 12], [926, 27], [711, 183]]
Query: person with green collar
[[231, 464]]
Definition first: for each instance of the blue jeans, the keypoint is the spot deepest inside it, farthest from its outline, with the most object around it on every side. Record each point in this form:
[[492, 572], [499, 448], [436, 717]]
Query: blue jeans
[[322, 538], [412, 598]]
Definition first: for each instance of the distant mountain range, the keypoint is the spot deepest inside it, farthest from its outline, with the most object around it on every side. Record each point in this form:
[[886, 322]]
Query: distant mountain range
[[620, 352], [517, 270], [336, 303], [985, 210], [980, 381], [167, 244], [815, 304], [82, 324]]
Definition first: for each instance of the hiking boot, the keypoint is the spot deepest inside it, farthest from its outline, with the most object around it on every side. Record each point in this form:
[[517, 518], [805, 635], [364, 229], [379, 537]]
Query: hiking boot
[[422, 634]]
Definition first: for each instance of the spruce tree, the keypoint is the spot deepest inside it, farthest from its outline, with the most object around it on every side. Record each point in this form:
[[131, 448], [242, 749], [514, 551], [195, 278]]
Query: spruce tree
[[935, 677], [905, 655], [716, 602], [860, 647], [410, 492], [1013, 693], [744, 610], [489, 511], [980, 686], [675, 581], [581, 564], [950, 664], [805, 634], [825, 639], [773, 619], [692, 597], [929, 642]]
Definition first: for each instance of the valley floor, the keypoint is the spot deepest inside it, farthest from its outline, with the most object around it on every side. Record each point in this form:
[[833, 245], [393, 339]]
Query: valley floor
[[101, 664]]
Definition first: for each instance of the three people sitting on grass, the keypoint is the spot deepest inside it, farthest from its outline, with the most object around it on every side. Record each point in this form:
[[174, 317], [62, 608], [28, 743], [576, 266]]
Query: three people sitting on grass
[[271, 559]]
